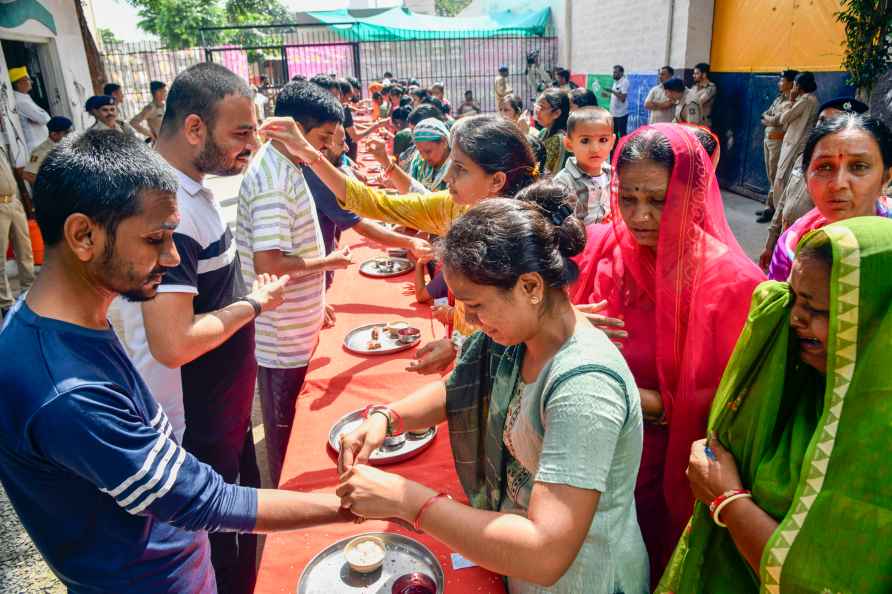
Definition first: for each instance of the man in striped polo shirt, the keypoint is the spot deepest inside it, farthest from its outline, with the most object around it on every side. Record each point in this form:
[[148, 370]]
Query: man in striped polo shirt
[[277, 232], [193, 347]]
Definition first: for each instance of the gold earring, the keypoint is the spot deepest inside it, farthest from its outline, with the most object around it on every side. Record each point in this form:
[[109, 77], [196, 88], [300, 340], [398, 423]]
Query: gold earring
[[534, 300]]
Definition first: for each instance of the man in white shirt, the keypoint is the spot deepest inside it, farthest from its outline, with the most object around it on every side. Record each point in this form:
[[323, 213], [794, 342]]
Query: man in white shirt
[[658, 103], [619, 101], [33, 117]]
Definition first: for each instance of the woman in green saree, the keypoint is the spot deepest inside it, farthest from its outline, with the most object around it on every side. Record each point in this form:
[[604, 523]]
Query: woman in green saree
[[802, 420], [544, 416]]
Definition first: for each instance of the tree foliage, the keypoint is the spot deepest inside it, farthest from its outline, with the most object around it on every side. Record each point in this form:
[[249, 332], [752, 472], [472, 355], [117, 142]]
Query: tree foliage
[[178, 23], [108, 36], [450, 7], [868, 27]]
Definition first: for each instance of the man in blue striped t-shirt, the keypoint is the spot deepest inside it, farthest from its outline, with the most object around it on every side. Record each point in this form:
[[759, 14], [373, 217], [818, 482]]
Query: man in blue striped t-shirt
[[87, 456], [194, 344]]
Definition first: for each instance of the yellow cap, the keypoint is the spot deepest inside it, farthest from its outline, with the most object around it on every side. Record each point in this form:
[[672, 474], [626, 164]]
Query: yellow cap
[[16, 74]]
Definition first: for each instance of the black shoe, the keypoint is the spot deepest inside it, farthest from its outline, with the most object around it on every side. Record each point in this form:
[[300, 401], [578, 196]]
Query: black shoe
[[759, 213], [766, 216]]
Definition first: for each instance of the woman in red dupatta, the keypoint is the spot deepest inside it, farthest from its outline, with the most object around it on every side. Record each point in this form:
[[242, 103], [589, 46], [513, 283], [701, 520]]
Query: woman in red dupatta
[[669, 266]]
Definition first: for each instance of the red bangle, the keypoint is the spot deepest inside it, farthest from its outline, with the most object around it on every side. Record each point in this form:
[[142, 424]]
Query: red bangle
[[730, 493], [417, 523]]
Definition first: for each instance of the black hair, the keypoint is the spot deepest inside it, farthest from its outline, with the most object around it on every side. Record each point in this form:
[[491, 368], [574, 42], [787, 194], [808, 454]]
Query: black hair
[[298, 77], [424, 111], [817, 247], [495, 144], [588, 114], [309, 105], [669, 69], [503, 69], [621, 68], [806, 81], [559, 100], [101, 174], [469, 92], [396, 89], [706, 140], [500, 239], [702, 67], [674, 84], [110, 88], [583, 98], [155, 86], [790, 75], [850, 121], [324, 81], [197, 90], [387, 74], [649, 145], [376, 96], [414, 82], [420, 93], [563, 73], [354, 83], [515, 102], [405, 101], [345, 86], [400, 114], [438, 103]]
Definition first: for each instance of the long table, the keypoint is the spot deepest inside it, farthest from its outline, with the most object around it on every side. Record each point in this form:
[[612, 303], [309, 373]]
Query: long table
[[339, 382]]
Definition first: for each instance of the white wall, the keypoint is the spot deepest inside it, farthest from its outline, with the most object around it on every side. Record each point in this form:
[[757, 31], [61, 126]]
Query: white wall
[[421, 6], [634, 33], [68, 62]]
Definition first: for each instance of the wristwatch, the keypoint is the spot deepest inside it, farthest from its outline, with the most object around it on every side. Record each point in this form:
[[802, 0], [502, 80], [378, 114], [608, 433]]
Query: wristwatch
[[255, 304]]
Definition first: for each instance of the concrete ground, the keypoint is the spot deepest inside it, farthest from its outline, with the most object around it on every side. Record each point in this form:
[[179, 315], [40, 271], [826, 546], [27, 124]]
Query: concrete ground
[[22, 568]]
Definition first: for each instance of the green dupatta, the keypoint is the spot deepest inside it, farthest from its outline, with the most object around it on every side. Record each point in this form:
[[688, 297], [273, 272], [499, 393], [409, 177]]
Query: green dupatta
[[814, 452]]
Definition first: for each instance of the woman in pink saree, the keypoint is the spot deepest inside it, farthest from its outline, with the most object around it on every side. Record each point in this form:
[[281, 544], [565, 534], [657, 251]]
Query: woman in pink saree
[[669, 267]]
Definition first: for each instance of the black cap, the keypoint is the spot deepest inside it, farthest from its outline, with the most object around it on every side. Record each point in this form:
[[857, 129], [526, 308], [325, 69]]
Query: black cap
[[97, 101], [849, 104], [58, 124]]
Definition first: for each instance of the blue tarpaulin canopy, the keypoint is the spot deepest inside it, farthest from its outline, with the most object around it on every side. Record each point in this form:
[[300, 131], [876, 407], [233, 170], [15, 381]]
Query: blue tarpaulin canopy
[[401, 24]]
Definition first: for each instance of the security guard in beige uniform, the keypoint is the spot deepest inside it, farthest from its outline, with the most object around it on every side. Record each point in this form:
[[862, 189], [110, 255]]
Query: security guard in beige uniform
[[12, 219], [59, 127], [153, 113]]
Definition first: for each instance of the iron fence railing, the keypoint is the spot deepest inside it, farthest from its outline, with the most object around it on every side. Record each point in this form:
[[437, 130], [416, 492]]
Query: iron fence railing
[[280, 52]]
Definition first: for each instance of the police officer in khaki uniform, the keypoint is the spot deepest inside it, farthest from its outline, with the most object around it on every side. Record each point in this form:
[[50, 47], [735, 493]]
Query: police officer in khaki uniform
[[774, 135], [104, 109], [59, 127], [13, 222], [704, 91], [153, 113], [688, 109]]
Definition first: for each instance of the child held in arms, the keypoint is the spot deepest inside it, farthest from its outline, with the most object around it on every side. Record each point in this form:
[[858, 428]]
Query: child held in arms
[[586, 175]]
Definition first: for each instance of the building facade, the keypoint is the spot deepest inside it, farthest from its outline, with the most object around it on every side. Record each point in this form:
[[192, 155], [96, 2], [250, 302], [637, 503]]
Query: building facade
[[746, 42], [45, 36]]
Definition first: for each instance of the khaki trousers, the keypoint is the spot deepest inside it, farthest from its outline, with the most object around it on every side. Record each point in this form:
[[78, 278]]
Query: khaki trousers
[[771, 150], [14, 223]]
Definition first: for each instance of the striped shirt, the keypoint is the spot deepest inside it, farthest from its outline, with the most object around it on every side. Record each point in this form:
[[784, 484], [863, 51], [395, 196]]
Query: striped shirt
[[90, 464], [276, 212], [209, 270]]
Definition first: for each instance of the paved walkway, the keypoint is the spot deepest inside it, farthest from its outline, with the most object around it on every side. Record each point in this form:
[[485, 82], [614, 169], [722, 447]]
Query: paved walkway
[[22, 569]]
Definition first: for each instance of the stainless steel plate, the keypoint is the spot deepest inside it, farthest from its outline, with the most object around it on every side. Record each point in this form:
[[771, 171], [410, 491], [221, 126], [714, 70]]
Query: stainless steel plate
[[357, 341], [411, 447], [329, 573], [401, 266]]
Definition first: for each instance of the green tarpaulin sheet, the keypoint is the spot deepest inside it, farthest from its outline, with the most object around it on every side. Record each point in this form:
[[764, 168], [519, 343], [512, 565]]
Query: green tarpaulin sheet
[[401, 24]]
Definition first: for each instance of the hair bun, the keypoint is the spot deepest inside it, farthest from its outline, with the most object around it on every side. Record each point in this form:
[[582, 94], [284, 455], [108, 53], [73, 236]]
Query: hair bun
[[570, 236]]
